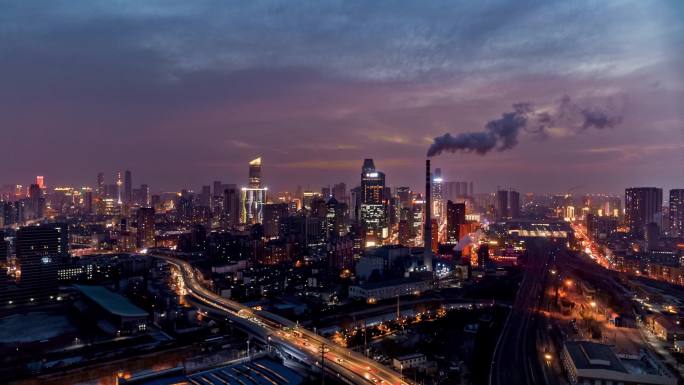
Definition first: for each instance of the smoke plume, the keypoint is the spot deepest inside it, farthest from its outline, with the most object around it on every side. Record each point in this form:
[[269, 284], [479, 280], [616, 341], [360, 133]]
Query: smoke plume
[[502, 134]]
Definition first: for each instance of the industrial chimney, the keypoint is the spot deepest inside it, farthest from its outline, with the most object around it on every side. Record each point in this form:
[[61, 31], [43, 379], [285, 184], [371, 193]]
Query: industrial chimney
[[427, 229]]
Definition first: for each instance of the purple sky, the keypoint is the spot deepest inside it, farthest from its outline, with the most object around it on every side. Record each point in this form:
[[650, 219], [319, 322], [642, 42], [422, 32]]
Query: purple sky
[[187, 92]]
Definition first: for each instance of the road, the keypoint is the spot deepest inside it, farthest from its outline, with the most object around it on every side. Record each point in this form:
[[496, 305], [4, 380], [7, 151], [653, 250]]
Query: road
[[297, 341], [516, 357]]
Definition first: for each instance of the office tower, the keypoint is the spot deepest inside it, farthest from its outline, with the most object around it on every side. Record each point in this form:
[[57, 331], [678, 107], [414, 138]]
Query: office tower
[[427, 231], [119, 193], [514, 204], [255, 173], [676, 213], [373, 210], [145, 234], [128, 187], [37, 248], [204, 198], [455, 217], [372, 183], [335, 218], [100, 185], [501, 204], [339, 192], [643, 205], [40, 181], [231, 205], [273, 215]]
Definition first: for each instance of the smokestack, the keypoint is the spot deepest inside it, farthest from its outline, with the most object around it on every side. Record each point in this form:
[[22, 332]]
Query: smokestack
[[427, 229]]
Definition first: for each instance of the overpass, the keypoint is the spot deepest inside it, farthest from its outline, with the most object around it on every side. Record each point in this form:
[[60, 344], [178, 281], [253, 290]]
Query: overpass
[[289, 339]]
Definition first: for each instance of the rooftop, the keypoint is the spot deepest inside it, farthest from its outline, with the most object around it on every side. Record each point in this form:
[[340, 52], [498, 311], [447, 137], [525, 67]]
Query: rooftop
[[112, 302], [261, 371], [591, 355]]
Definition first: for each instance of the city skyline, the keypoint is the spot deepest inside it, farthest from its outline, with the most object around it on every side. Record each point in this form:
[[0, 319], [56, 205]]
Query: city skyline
[[197, 90]]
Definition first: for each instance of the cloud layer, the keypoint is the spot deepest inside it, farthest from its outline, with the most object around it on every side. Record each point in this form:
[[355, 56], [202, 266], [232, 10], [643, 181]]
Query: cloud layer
[[187, 92]]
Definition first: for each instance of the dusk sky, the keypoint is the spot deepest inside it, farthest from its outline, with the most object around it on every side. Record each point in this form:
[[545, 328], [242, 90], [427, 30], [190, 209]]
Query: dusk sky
[[186, 92]]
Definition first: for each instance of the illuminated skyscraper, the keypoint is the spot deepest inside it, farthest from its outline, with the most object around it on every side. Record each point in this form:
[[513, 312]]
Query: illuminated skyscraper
[[253, 197], [373, 210], [40, 181]]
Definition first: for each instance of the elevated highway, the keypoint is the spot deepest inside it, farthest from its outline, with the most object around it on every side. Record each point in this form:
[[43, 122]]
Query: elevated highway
[[290, 339]]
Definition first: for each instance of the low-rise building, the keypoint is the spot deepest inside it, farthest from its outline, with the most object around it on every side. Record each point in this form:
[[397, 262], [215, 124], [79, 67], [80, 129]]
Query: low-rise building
[[409, 361], [114, 313], [589, 362], [389, 289]]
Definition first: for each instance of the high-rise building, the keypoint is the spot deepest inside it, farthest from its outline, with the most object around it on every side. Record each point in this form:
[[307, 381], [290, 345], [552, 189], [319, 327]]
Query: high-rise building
[[404, 195], [455, 217], [514, 204], [339, 192], [373, 208], [37, 248], [643, 205], [273, 215], [128, 187], [36, 201], [88, 201], [100, 185], [501, 204], [336, 218], [676, 213], [231, 205], [204, 198], [145, 235], [372, 183], [218, 188], [40, 181]]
